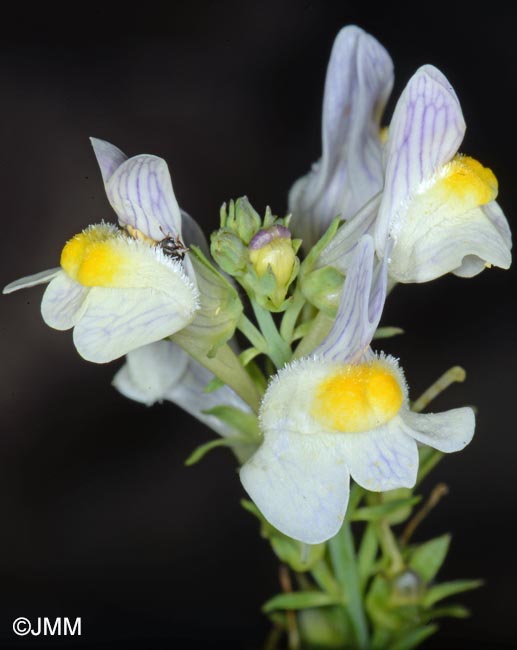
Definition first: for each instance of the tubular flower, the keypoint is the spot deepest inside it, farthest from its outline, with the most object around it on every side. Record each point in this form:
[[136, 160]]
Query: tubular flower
[[163, 371], [121, 289], [358, 83], [342, 412]]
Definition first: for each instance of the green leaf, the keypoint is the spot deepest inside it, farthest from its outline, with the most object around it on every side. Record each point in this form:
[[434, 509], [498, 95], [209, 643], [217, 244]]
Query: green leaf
[[446, 589], [202, 450], [413, 638], [248, 355], [240, 420], [300, 557], [400, 514], [450, 611], [427, 558], [213, 385], [373, 513], [367, 555], [387, 332], [299, 600]]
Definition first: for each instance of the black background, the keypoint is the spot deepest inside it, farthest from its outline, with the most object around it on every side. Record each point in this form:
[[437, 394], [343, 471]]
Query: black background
[[99, 517]]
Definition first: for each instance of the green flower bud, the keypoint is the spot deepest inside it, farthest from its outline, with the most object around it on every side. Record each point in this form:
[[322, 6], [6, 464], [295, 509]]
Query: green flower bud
[[240, 219], [407, 588], [229, 252]]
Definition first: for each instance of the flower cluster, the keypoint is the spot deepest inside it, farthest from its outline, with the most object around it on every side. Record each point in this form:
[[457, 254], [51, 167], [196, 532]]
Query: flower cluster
[[388, 205]]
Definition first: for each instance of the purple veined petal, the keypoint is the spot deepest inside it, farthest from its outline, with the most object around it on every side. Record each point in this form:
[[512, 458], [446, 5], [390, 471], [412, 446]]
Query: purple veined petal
[[448, 431], [300, 484], [31, 280], [358, 84], [115, 321], [360, 306], [426, 131], [63, 302], [338, 253], [140, 191], [383, 459], [109, 157]]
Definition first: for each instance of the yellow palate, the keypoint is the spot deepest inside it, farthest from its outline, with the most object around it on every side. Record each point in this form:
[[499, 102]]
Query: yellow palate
[[93, 257], [357, 398], [468, 179]]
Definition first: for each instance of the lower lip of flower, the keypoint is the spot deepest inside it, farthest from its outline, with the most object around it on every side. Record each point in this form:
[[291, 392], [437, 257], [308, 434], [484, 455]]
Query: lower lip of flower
[[357, 398], [92, 257]]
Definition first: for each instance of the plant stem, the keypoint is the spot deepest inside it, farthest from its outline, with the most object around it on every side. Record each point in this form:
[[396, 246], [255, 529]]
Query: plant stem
[[454, 374], [277, 349], [290, 316], [320, 328], [342, 553], [252, 333], [389, 546]]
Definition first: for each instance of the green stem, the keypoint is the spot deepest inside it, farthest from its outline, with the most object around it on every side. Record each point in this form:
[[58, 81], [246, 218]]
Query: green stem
[[277, 349], [454, 374], [320, 328], [389, 546], [291, 315], [252, 334], [342, 553]]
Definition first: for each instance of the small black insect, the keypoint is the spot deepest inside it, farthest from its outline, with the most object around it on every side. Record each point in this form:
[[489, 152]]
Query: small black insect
[[173, 247]]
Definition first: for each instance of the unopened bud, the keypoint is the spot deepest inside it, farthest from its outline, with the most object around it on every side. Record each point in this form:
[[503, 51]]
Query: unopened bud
[[241, 219], [229, 252]]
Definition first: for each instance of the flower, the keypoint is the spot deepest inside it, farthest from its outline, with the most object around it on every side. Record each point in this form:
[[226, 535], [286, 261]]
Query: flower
[[163, 371], [342, 412], [357, 87], [437, 206], [121, 289]]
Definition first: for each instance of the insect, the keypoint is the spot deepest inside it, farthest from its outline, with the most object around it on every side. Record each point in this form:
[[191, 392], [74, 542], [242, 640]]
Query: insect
[[173, 247]]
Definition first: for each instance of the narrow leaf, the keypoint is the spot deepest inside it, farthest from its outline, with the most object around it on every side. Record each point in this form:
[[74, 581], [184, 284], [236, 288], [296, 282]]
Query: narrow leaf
[[202, 450], [245, 422], [427, 558], [414, 638], [387, 332], [446, 589], [299, 600], [373, 513]]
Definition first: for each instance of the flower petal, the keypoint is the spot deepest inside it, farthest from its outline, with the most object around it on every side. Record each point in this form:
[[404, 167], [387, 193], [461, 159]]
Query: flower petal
[[300, 483], [383, 459], [31, 280], [109, 157], [358, 83], [151, 371], [360, 307], [62, 302], [441, 243], [140, 191], [116, 321], [448, 431], [426, 131]]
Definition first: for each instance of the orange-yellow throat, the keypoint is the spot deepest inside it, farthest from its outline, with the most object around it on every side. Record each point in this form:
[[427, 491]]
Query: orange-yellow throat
[[358, 397]]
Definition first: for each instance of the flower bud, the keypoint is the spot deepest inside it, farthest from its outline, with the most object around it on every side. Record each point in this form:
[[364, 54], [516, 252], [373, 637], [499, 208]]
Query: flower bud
[[241, 219], [271, 253], [229, 252]]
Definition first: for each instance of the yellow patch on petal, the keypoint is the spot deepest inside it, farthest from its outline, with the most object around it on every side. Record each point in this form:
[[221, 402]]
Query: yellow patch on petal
[[94, 257], [358, 398], [470, 181]]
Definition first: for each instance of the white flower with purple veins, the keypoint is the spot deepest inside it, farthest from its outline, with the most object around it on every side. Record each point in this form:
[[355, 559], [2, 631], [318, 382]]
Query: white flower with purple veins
[[342, 412], [438, 207], [358, 84], [163, 371], [121, 289]]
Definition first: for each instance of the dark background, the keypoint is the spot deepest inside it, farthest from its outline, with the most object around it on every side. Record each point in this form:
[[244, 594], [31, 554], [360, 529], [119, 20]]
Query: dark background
[[99, 517]]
